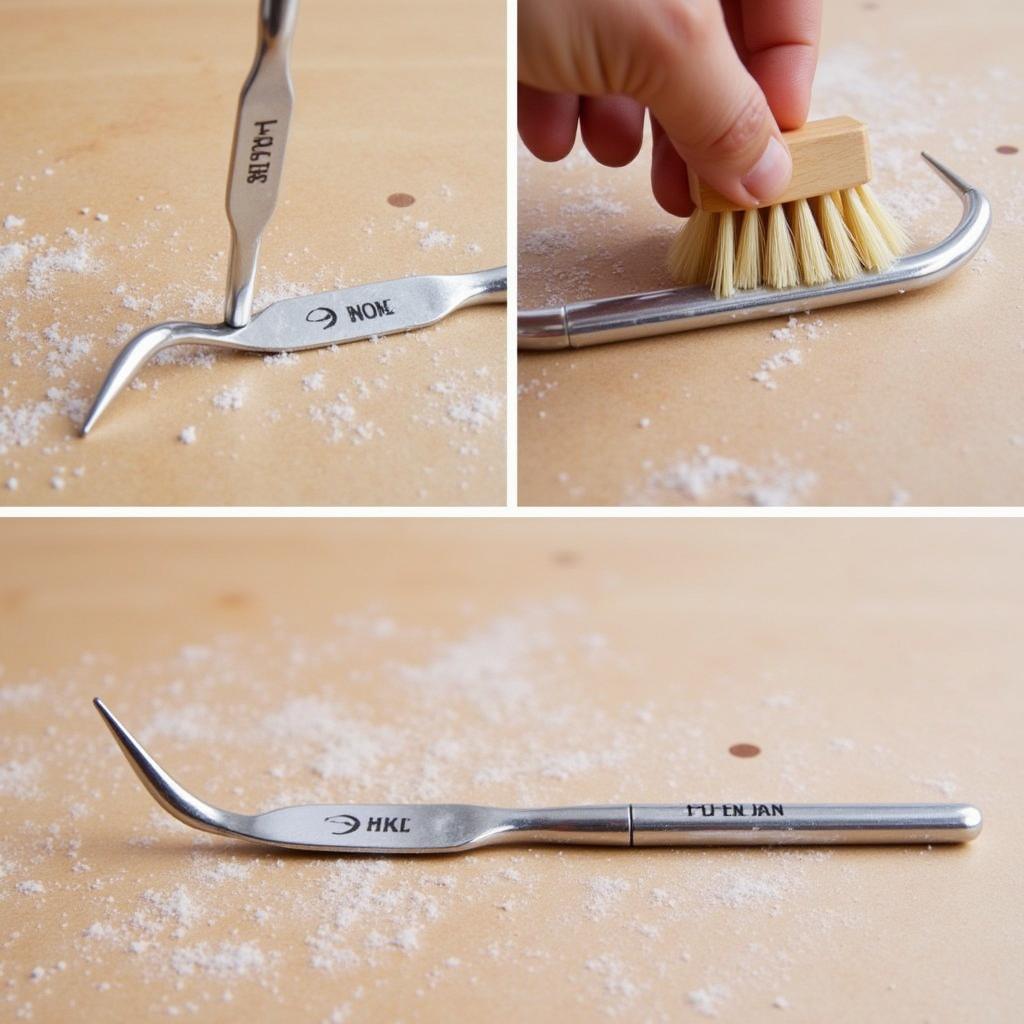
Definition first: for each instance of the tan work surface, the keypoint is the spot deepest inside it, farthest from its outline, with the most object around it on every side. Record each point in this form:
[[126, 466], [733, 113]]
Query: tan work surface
[[914, 399], [529, 663], [131, 109]]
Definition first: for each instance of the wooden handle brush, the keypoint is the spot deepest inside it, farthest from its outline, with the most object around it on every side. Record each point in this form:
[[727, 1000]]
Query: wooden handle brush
[[826, 225]]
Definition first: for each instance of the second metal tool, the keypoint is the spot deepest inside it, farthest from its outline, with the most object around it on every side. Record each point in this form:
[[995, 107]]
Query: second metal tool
[[257, 152]]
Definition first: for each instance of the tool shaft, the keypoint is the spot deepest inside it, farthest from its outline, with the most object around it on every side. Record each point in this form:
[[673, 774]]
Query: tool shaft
[[770, 824], [257, 152]]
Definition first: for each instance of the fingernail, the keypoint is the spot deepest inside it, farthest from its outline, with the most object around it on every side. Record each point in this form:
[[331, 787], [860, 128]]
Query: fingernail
[[770, 174]]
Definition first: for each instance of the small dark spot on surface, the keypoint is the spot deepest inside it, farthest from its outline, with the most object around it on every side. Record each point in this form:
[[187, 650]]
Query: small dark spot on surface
[[744, 750], [233, 599], [1007, 150], [565, 557], [401, 199]]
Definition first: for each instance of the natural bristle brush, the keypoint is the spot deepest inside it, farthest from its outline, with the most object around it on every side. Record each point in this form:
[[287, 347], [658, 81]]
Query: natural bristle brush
[[827, 225]]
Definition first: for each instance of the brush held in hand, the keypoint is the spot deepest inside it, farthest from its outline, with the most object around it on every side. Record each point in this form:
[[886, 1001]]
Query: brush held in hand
[[828, 224]]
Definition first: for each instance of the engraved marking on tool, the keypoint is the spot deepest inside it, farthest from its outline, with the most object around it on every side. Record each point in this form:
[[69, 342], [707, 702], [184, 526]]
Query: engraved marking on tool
[[328, 317], [735, 811], [388, 825], [259, 155], [350, 821], [369, 310]]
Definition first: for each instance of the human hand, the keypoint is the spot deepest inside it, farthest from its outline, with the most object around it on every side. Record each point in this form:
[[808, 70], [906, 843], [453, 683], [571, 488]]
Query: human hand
[[721, 81]]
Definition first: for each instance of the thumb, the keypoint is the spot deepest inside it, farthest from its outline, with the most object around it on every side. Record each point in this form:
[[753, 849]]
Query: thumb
[[709, 105]]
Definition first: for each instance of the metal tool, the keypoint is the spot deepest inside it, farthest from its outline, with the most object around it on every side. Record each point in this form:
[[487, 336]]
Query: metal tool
[[627, 317], [257, 152], [313, 321], [450, 828]]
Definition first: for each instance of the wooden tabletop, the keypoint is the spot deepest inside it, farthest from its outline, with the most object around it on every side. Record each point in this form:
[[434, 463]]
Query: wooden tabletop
[[532, 663], [117, 122], [914, 399]]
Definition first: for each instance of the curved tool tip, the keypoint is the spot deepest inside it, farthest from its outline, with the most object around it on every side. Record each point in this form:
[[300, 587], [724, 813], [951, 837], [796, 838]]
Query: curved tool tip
[[955, 182]]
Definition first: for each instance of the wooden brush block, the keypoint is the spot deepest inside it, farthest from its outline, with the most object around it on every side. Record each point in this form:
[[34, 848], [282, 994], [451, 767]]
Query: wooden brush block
[[828, 155]]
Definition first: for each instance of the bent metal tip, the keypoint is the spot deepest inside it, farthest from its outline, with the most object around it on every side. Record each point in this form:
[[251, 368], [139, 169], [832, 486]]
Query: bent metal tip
[[312, 321], [450, 828]]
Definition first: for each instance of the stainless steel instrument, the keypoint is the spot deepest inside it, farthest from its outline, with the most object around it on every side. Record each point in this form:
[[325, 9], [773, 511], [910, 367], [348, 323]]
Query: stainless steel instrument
[[257, 152], [648, 314], [312, 321], [450, 828]]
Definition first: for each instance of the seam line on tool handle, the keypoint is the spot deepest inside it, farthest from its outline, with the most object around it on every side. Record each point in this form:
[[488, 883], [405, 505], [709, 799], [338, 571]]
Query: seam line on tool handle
[[629, 817]]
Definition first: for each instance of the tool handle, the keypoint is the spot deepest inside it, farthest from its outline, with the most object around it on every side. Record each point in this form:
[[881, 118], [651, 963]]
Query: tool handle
[[257, 152], [778, 824]]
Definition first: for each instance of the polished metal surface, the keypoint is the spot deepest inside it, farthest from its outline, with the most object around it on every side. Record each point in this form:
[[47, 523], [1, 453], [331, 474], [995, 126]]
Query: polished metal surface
[[257, 152], [312, 321], [644, 315], [449, 828]]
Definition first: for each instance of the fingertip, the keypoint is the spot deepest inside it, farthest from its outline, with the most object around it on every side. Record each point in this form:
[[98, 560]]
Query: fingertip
[[612, 128], [547, 122], [668, 177]]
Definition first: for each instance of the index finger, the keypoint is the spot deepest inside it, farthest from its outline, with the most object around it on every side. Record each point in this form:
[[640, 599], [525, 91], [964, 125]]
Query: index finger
[[781, 44]]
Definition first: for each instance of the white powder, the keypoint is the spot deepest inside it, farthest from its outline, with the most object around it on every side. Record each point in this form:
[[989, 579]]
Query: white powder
[[11, 256], [603, 892], [229, 398], [30, 888], [706, 473], [19, 779], [281, 359], [188, 435], [226, 959], [11, 483], [11, 222], [708, 1001], [313, 381], [644, 422], [477, 411], [436, 240], [78, 259], [102, 218], [57, 482]]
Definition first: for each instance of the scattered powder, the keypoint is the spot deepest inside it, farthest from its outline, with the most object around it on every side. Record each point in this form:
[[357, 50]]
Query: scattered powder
[[230, 398], [30, 888], [19, 779], [78, 259], [644, 422], [780, 1003], [188, 435], [603, 892], [706, 473], [11, 222], [790, 357], [477, 411], [102, 218], [227, 959], [11, 256], [708, 1001], [313, 381], [11, 483], [282, 359], [57, 482]]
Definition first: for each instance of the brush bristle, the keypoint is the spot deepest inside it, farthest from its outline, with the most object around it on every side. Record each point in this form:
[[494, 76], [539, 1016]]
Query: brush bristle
[[810, 250], [842, 255], [780, 267], [837, 236], [895, 237], [725, 257], [871, 248], [748, 251], [692, 253]]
